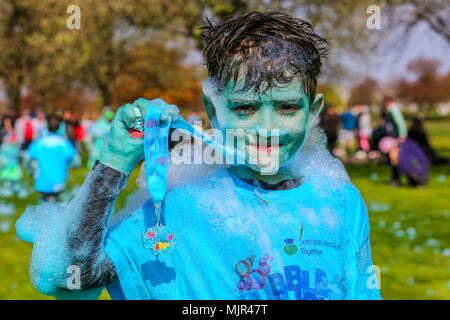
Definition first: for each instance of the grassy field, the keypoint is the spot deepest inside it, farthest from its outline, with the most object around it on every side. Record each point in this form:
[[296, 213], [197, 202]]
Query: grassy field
[[410, 230]]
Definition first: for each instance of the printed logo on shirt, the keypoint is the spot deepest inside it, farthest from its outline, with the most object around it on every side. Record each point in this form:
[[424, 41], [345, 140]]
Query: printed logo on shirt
[[252, 278], [294, 283], [303, 246]]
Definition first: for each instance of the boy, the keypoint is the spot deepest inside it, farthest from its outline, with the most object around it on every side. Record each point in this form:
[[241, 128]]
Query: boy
[[97, 135], [53, 154], [241, 234]]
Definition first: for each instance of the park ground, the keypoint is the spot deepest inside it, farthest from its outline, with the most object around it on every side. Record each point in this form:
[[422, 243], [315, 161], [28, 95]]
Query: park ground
[[410, 229]]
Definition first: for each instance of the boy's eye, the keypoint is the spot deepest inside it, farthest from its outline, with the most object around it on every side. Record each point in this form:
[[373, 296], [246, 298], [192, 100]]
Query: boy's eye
[[287, 109], [245, 110]]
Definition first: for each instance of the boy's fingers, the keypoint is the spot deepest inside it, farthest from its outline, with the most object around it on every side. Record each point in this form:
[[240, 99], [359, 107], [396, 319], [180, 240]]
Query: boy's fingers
[[171, 113], [127, 115], [168, 111], [142, 104]]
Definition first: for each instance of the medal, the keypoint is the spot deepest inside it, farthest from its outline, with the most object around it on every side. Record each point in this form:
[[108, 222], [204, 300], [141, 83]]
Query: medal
[[159, 238]]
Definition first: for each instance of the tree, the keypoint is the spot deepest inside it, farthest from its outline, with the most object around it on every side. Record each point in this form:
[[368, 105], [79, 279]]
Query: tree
[[168, 79], [428, 88], [366, 92], [15, 26], [332, 94], [410, 13]]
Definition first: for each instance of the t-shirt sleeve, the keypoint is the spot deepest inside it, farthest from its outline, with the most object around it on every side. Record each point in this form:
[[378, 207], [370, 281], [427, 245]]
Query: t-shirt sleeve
[[70, 151], [32, 150], [366, 285], [120, 246], [130, 286]]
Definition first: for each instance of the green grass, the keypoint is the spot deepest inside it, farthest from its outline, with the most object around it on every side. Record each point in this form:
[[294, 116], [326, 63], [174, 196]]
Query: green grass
[[410, 231]]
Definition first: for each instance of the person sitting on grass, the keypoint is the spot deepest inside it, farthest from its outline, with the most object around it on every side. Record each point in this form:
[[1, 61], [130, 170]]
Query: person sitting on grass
[[300, 232]]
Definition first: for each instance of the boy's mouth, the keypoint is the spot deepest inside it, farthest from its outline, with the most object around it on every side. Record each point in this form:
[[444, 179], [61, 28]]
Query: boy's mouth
[[265, 147]]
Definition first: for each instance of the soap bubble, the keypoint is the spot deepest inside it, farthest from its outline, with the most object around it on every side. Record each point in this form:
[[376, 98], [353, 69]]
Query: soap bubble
[[382, 223], [431, 242], [396, 224], [378, 207], [446, 252], [399, 233], [6, 209], [411, 233], [5, 226]]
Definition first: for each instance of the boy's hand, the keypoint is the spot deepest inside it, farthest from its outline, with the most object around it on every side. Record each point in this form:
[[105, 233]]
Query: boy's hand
[[124, 148]]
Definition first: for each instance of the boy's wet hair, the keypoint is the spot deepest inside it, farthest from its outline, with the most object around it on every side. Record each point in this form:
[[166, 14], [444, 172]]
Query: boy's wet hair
[[270, 48], [52, 123]]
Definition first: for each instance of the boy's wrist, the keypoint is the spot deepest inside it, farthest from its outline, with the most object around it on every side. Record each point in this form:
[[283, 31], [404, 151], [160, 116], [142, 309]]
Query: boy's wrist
[[117, 162]]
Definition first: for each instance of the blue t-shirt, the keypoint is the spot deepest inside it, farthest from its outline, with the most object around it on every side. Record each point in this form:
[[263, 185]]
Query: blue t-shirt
[[348, 121], [232, 245], [53, 154]]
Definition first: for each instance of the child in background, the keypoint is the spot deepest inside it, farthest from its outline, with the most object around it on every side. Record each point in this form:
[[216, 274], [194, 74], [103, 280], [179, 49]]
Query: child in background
[[97, 135], [10, 170], [347, 132], [52, 154]]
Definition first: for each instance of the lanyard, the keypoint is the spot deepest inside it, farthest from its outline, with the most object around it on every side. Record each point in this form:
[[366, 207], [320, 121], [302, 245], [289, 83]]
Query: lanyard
[[156, 137]]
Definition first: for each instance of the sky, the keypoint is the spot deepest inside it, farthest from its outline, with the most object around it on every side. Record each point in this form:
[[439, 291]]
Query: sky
[[392, 58]]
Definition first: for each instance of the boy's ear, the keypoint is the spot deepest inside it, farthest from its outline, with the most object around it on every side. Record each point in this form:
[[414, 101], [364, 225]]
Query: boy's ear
[[317, 107], [210, 110]]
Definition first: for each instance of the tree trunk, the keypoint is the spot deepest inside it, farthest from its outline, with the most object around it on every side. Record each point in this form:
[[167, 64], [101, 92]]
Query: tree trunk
[[105, 93], [13, 89]]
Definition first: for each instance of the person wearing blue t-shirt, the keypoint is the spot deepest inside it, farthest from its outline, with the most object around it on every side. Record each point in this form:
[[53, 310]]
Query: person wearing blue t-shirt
[[299, 230], [347, 132], [52, 154]]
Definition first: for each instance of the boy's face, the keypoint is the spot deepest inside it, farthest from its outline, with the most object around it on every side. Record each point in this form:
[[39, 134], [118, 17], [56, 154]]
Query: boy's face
[[274, 123]]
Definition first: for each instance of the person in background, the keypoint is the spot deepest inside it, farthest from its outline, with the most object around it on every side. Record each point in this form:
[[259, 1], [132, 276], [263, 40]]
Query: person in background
[[10, 170], [417, 132], [39, 125], [364, 127], [24, 129], [72, 125], [10, 113], [52, 154], [347, 134], [394, 126], [80, 130], [4, 128], [97, 135], [65, 119], [87, 121], [330, 124]]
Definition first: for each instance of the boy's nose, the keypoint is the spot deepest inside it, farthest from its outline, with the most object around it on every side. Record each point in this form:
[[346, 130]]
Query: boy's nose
[[266, 119]]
